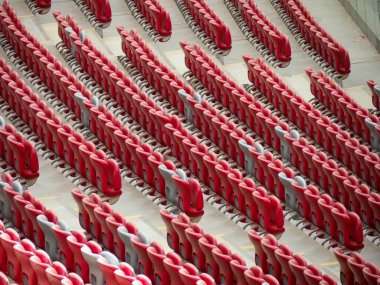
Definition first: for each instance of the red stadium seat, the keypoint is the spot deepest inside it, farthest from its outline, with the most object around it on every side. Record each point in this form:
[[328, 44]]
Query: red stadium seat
[[113, 222], [207, 243], [346, 274], [108, 263], [260, 255], [9, 238], [371, 273], [141, 244], [180, 224], [75, 242], [193, 233], [101, 213], [223, 257], [23, 251], [157, 255], [56, 273], [173, 264], [39, 262], [356, 263], [284, 255], [298, 265], [255, 276], [171, 235]]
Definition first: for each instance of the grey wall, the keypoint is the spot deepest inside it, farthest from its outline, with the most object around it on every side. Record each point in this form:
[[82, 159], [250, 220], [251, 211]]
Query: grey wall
[[366, 13]]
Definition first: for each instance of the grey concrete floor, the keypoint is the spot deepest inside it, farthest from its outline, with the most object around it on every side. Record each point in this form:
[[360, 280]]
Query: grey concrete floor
[[54, 189]]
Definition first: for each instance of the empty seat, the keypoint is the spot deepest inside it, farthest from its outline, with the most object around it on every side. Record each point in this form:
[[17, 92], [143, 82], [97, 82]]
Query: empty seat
[[9, 238], [207, 243], [356, 263], [157, 255], [39, 262], [173, 264], [255, 276], [91, 252], [75, 242], [263, 29], [210, 23], [18, 152], [23, 251], [325, 45], [55, 273]]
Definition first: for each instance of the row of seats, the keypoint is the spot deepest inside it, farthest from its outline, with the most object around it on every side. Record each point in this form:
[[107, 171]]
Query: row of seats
[[15, 149], [375, 89], [228, 137], [233, 96], [263, 28], [30, 216], [40, 60], [28, 265], [157, 74], [129, 244], [354, 270], [279, 261], [269, 172], [327, 47], [148, 164], [210, 23], [281, 181], [69, 250], [191, 243], [355, 117], [196, 157], [101, 9], [157, 16], [315, 165], [339, 143], [60, 138]]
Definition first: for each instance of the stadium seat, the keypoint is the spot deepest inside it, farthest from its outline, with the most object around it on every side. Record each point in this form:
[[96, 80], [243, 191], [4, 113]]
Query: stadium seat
[[193, 233], [9, 238], [260, 255], [346, 274], [107, 263], [371, 273], [356, 263], [23, 251], [180, 224], [46, 222], [332, 52], [55, 273], [130, 254], [207, 243], [223, 257], [255, 276], [284, 255], [298, 265], [375, 93], [171, 235], [113, 222], [157, 255], [75, 242], [91, 252], [39, 262], [101, 213], [140, 243], [173, 264], [64, 255], [210, 23], [263, 29]]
